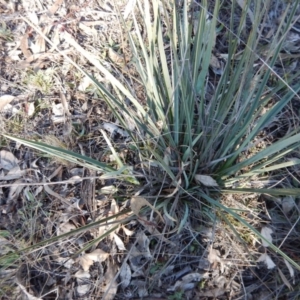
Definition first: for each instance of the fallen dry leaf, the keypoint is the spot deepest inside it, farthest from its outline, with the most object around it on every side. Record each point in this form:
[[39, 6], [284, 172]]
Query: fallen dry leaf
[[287, 203], [125, 275], [83, 289], [24, 46], [285, 280], [30, 109], [137, 202], [266, 233], [55, 6], [291, 270], [267, 260], [65, 228], [188, 281], [4, 100], [119, 243], [88, 259], [7, 160], [110, 280]]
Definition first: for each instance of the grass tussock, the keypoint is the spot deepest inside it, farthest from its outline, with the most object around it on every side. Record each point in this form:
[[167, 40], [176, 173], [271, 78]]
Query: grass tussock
[[208, 156]]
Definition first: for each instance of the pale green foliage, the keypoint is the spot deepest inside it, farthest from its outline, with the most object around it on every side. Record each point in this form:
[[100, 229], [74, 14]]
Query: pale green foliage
[[184, 129]]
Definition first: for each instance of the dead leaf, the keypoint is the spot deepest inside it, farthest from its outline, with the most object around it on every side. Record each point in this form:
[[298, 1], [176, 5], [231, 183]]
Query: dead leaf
[[85, 83], [125, 275], [119, 243], [82, 274], [4, 100], [187, 282], [110, 280], [65, 228], [266, 233], [150, 227], [24, 46], [14, 173], [28, 295], [213, 256], [127, 231], [55, 6], [267, 260], [214, 293], [88, 259], [57, 109], [65, 104], [287, 204], [58, 113], [15, 190], [30, 109], [7, 160], [137, 202], [291, 270], [141, 285], [115, 57], [83, 289], [40, 45], [143, 244], [88, 30], [205, 180], [285, 280]]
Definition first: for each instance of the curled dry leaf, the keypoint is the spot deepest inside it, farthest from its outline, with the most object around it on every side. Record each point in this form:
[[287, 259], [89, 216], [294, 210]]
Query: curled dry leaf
[[14, 173], [141, 285], [285, 280], [137, 202], [206, 180], [15, 190], [88, 259], [267, 260], [4, 100], [84, 84], [82, 274], [28, 295], [291, 270], [287, 204], [115, 57], [127, 231], [119, 243], [55, 6], [83, 289], [266, 233], [65, 228], [110, 281], [30, 109], [187, 282], [143, 244], [213, 293], [213, 256], [125, 275], [7, 160]]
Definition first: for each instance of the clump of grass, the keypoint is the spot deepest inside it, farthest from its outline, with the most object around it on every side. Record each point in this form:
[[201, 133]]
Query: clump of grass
[[183, 130]]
